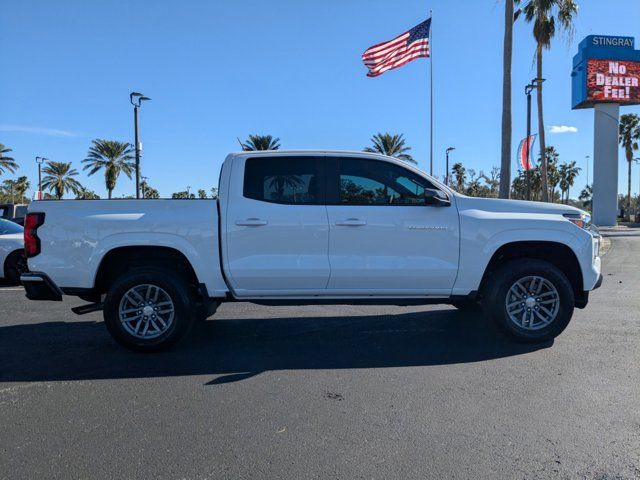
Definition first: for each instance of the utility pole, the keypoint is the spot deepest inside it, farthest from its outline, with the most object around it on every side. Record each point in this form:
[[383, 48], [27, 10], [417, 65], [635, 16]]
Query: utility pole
[[136, 100], [446, 176]]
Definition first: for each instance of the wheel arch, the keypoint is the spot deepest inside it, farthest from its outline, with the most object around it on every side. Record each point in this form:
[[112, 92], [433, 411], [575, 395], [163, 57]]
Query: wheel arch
[[558, 254], [120, 259]]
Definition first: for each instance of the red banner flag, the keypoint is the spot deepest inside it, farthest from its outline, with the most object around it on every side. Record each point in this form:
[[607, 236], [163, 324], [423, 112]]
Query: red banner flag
[[526, 145]]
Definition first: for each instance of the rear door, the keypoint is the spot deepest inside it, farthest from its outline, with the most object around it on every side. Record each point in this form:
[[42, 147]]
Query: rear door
[[383, 238], [277, 231]]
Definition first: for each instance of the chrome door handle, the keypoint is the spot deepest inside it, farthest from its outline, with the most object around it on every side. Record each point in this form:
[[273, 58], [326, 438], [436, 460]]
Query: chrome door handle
[[251, 222], [351, 222]]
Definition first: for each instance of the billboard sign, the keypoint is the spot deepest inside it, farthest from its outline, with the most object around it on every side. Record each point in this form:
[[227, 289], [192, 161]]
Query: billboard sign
[[613, 81], [606, 70]]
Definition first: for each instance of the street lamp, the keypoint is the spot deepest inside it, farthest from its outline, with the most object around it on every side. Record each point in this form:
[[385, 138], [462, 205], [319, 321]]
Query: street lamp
[[40, 161], [188, 190], [587, 157], [136, 100], [446, 177], [535, 83]]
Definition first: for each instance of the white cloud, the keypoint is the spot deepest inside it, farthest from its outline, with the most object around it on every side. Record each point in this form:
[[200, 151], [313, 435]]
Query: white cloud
[[562, 129], [53, 132]]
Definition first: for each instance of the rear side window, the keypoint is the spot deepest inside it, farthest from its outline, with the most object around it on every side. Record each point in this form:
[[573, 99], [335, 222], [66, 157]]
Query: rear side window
[[288, 180]]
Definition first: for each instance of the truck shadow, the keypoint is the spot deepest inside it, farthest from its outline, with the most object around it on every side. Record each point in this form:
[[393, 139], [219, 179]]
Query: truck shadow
[[233, 350]]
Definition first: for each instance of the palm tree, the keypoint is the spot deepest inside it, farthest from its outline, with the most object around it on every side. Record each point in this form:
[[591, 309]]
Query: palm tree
[[115, 157], [629, 135], [58, 178], [390, 145], [460, 174], [553, 175], [507, 55], [568, 173], [6, 163], [148, 191], [542, 13], [22, 184], [585, 196], [260, 142], [86, 194]]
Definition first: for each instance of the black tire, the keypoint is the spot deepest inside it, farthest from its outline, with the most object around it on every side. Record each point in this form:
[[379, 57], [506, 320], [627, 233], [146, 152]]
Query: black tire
[[497, 288], [14, 266], [178, 291]]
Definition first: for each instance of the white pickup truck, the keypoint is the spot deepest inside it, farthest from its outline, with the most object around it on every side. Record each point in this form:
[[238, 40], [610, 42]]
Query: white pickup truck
[[310, 227]]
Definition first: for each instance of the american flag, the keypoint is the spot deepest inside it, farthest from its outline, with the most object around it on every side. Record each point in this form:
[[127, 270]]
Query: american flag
[[408, 46]]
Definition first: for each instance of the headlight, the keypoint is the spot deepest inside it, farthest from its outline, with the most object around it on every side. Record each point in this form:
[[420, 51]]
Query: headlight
[[583, 220]]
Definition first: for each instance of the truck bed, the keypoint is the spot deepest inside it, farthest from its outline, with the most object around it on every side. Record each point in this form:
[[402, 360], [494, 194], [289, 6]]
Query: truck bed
[[77, 234]]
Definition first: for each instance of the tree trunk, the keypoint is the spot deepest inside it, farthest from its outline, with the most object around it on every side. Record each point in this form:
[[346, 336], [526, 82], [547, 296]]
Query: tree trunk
[[505, 162], [629, 160], [109, 193], [543, 157]]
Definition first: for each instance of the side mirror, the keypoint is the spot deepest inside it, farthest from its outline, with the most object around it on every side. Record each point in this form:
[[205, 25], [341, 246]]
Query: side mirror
[[436, 198]]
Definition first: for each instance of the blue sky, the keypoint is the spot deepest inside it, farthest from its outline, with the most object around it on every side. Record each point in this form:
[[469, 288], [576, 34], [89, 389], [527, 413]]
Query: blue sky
[[291, 68]]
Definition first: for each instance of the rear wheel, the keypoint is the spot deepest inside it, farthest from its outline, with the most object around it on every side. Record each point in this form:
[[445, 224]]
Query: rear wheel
[[529, 300], [15, 265], [149, 309]]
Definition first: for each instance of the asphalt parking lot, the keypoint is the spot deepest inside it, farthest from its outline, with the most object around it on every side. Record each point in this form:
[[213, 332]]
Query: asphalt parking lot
[[326, 392]]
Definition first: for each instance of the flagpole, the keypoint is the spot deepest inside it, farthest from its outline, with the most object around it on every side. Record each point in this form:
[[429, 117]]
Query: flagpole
[[431, 94]]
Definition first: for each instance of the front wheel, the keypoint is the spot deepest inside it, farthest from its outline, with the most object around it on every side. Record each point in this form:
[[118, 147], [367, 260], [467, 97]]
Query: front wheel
[[149, 309], [529, 300]]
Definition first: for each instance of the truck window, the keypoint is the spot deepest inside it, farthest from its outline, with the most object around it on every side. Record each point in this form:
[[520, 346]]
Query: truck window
[[288, 180], [372, 182]]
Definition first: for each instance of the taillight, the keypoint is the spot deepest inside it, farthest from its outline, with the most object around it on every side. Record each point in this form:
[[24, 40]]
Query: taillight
[[31, 241]]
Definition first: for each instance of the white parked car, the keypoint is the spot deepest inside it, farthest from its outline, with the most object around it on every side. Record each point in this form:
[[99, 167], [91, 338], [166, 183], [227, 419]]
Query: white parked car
[[303, 227], [12, 260]]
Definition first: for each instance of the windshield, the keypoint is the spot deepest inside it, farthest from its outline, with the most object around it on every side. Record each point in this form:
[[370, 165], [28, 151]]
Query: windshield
[[8, 227]]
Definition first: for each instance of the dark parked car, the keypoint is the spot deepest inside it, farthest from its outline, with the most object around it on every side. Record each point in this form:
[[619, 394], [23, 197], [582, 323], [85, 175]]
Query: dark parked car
[[13, 212]]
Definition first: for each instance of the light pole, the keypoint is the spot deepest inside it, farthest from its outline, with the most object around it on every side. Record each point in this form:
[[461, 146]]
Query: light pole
[[446, 176], [527, 90], [40, 161], [188, 190], [587, 157], [136, 100]]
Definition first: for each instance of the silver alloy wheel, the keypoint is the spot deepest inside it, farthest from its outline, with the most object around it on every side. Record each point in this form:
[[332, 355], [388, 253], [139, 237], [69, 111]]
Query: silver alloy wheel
[[532, 303], [146, 311]]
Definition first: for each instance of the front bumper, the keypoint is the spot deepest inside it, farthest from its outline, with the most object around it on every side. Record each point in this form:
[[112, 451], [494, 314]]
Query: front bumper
[[39, 286]]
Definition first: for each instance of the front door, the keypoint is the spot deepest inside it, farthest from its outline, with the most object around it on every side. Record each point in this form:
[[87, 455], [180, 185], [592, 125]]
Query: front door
[[383, 239], [277, 227]]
